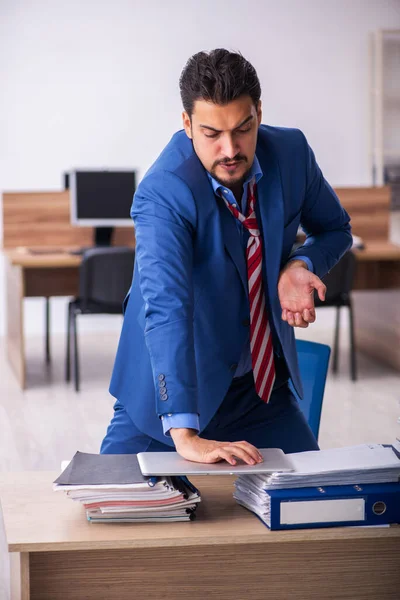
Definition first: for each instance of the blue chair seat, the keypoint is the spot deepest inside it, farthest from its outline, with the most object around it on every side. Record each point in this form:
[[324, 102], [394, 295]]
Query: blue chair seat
[[313, 364]]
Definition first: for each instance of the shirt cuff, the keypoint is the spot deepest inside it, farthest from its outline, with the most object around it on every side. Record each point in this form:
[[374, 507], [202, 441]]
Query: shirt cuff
[[182, 420], [306, 260]]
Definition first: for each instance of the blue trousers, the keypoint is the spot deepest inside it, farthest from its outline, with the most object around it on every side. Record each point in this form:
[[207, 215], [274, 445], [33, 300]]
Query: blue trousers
[[241, 416]]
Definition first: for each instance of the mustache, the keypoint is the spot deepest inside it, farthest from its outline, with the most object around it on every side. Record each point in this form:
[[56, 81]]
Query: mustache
[[224, 161]]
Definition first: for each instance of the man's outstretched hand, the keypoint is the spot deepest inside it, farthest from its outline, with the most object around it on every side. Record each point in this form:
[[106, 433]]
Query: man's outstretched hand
[[296, 287]]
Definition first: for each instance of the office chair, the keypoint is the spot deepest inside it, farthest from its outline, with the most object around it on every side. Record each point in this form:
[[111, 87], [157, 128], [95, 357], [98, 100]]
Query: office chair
[[105, 277], [339, 283], [313, 364]]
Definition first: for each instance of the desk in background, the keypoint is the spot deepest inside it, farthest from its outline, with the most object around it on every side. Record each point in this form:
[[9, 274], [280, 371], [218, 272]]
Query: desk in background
[[41, 220], [376, 302], [30, 275], [227, 553], [376, 296], [376, 299]]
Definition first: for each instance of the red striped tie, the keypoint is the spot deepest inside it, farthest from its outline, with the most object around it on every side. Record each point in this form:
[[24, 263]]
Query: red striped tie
[[262, 355]]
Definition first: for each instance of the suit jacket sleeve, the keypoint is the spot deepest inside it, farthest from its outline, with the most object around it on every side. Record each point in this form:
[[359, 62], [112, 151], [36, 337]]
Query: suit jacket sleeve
[[324, 221], [164, 216]]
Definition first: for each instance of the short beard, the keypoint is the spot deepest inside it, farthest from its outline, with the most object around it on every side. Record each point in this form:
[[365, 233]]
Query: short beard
[[230, 183]]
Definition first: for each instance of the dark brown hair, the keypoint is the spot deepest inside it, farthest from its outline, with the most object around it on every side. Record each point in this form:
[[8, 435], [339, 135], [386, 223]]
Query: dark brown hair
[[218, 76]]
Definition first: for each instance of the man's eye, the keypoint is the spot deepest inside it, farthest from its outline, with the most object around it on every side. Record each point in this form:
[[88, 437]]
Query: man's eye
[[211, 135], [244, 130]]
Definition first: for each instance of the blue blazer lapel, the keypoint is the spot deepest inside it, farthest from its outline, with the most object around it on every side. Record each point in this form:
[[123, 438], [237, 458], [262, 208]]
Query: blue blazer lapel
[[207, 201], [232, 241], [269, 210]]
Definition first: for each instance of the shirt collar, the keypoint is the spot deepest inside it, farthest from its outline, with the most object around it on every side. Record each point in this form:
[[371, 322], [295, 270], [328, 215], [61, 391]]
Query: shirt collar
[[255, 171]]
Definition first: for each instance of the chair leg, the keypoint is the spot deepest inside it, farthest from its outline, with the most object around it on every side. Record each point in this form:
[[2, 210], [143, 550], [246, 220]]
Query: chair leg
[[76, 357], [68, 349], [336, 342], [48, 356], [353, 360]]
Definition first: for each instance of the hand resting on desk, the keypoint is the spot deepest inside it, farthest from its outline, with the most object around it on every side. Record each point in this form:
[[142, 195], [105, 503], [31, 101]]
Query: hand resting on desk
[[192, 447]]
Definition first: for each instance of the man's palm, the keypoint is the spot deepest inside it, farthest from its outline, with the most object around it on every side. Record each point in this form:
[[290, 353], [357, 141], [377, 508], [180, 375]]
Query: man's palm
[[296, 294]]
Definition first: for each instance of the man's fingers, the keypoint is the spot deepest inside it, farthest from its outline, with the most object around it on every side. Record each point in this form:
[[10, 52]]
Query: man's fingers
[[298, 319], [308, 315], [320, 287], [251, 450], [241, 453], [225, 455], [290, 317], [235, 451]]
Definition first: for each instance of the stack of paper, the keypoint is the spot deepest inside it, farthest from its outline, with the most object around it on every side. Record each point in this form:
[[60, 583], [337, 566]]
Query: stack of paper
[[354, 465], [112, 489], [252, 497], [367, 463]]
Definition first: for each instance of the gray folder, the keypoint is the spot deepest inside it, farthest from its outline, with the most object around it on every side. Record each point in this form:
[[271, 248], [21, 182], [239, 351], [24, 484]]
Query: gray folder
[[102, 469]]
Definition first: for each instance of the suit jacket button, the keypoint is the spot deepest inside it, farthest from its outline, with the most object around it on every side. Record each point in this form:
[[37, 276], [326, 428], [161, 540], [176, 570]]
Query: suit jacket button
[[233, 367], [246, 322], [161, 384], [161, 377], [164, 397]]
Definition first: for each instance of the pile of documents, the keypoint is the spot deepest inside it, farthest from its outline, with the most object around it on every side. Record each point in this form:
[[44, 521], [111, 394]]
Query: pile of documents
[[359, 473], [112, 489]]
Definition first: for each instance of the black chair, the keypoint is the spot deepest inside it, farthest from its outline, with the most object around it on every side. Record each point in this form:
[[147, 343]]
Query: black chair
[[105, 277], [339, 283]]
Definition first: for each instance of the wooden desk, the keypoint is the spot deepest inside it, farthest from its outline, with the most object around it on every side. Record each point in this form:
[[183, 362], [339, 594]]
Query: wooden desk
[[378, 266], [377, 306], [30, 275], [33, 220], [376, 302], [227, 553]]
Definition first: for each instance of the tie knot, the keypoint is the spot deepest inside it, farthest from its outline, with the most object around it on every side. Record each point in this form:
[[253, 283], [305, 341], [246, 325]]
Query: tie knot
[[249, 222]]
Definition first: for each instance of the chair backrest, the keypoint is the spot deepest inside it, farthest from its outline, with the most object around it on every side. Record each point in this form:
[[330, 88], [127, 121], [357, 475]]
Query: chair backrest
[[339, 281], [313, 364], [105, 276]]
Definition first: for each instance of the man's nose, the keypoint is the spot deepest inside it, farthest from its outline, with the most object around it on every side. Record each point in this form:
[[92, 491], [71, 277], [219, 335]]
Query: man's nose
[[228, 147]]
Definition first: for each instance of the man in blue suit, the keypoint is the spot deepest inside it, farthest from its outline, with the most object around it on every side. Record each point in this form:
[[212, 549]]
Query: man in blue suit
[[184, 375]]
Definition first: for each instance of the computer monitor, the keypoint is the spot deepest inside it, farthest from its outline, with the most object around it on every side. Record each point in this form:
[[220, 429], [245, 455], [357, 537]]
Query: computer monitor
[[101, 199]]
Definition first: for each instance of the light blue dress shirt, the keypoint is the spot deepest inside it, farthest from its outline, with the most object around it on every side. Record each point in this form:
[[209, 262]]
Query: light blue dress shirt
[[191, 420]]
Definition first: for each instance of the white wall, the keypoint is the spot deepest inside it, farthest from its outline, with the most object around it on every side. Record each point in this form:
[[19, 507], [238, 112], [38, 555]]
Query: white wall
[[95, 83]]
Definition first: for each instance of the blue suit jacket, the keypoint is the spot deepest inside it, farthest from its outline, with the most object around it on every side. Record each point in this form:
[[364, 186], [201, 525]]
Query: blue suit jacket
[[186, 316]]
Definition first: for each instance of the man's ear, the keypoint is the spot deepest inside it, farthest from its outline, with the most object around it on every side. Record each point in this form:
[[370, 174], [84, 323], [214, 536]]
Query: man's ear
[[187, 125], [259, 112]]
